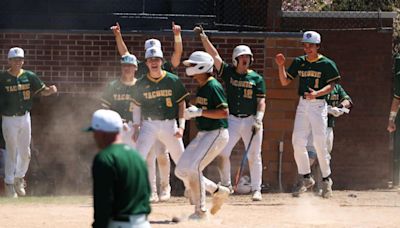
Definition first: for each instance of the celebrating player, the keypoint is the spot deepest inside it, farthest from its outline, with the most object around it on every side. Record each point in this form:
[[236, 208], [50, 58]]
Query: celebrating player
[[121, 188], [318, 75], [246, 98], [210, 111], [17, 89], [339, 102], [118, 96], [158, 151]]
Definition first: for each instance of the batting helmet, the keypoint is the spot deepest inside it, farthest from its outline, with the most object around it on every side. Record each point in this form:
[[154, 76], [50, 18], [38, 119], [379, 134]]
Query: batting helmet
[[199, 62], [311, 37], [152, 43], [153, 52], [241, 50]]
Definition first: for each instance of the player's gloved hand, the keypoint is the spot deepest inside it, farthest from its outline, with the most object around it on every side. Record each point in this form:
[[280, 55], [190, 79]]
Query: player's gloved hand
[[199, 31], [335, 111], [192, 112], [257, 125]]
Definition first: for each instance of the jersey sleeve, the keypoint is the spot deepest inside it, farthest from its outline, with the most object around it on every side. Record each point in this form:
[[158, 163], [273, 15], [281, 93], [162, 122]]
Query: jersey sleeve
[[218, 96], [291, 72], [332, 72], [343, 95], [37, 85], [180, 91], [223, 73], [261, 88], [168, 67]]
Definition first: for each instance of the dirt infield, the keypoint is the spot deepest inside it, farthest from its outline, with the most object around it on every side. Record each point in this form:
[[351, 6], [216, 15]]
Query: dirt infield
[[345, 209]]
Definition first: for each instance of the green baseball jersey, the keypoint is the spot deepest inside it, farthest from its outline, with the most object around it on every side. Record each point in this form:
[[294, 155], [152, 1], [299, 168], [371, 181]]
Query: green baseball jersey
[[334, 98], [143, 69], [242, 89], [211, 96], [315, 74], [159, 98], [120, 184], [17, 92], [397, 78], [118, 97]]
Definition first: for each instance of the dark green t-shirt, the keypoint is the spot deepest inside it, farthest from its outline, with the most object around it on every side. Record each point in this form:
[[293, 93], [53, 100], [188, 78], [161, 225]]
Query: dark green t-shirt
[[120, 184], [315, 75], [159, 98], [143, 69], [242, 89], [334, 98], [17, 92], [211, 96], [118, 97]]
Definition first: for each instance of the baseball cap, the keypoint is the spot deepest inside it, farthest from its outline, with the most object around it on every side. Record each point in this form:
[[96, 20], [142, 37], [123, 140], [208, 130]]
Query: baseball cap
[[16, 52], [311, 37], [129, 59], [106, 121], [153, 52], [152, 43]]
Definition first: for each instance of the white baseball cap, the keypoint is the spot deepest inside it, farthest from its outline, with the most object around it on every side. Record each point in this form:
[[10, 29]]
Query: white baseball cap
[[129, 59], [153, 52], [311, 37], [152, 43], [106, 120], [16, 52]]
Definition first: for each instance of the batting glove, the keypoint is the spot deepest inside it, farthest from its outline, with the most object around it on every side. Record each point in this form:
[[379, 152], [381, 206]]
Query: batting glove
[[257, 125], [335, 111], [192, 112]]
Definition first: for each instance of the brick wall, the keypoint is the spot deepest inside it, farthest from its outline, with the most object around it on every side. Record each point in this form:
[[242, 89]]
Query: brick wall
[[80, 63]]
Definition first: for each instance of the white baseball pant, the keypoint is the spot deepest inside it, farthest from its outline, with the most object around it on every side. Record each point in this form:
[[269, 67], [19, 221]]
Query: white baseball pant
[[198, 154], [164, 166], [17, 135], [242, 128], [311, 117], [164, 131], [135, 221]]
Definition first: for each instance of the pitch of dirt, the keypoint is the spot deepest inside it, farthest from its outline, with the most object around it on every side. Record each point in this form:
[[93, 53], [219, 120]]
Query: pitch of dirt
[[379, 208]]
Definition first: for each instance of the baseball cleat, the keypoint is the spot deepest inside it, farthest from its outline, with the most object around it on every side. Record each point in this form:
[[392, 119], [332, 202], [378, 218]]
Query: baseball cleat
[[19, 186], [10, 191], [219, 198], [327, 188], [165, 194], [257, 196], [199, 215], [154, 197], [302, 186]]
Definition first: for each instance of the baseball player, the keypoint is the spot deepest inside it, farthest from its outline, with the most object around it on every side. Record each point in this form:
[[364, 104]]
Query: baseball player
[[17, 89], [339, 102], [117, 96], [396, 98], [210, 111], [121, 188], [158, 151], [159, 99], [318, 75], [246, 99]]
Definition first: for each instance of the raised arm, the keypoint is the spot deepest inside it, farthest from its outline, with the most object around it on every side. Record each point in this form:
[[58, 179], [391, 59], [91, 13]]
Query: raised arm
[[178, 47], [392, 115], [122, 49], [280, 61], [209, 47]]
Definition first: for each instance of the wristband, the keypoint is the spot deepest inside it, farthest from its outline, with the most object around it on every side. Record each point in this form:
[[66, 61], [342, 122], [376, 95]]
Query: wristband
[[181, 122], [392, 116], [259, 116], [178, 38]]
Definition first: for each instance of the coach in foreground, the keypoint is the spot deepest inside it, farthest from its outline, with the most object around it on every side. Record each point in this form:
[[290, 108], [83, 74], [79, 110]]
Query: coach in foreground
[[121, 188]]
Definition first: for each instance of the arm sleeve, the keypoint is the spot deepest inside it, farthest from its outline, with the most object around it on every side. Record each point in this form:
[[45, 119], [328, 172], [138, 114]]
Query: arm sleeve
[[103, 185], [223, 72], [219, 98], [180, 91], [332, 73], [291, 72], [37, 85], [261, 88], [343, 95]]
